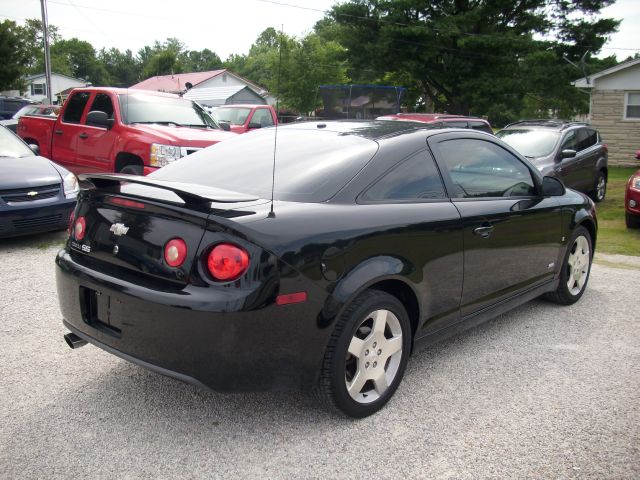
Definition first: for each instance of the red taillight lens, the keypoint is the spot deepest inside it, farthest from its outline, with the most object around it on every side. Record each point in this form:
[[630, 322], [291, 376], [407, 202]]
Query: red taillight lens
[[175, 252], [125, 203], [80, 228], [227, 261], [71, 217]]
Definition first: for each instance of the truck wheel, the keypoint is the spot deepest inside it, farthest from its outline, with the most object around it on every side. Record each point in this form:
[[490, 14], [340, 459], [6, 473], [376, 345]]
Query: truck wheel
[[132, 169]]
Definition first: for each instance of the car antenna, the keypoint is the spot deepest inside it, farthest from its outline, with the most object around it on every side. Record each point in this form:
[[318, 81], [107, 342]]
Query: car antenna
[[272, 214]]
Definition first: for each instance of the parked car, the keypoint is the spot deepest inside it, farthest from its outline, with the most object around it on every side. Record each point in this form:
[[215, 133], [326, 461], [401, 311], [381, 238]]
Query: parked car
[[36, 195], [571, 151], [121, 130], [243, 118], [31, 109], [632, 199], [380, 235], [10, 105], [442, 120]]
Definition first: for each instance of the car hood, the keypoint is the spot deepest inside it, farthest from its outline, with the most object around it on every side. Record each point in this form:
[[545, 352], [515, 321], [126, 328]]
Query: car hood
[[27, 172], [184, 136], [543, 164]]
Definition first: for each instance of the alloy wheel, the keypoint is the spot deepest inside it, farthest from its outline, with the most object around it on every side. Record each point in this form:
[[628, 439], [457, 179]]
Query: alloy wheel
[[374, 356], [578, 265], [601, 188]]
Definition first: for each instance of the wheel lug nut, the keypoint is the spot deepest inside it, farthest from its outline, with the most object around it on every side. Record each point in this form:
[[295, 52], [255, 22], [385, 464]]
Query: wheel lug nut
[[374, 344], [379, 351], [375, 364], [366, 352], [366, 365]]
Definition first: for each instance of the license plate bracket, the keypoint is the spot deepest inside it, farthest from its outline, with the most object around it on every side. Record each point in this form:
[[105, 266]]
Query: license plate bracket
[[95, 308]]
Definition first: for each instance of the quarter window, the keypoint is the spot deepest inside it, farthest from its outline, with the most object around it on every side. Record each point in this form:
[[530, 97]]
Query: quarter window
[[415, 179], [632, 106], [75, 107], [483, 169], [586, 138]]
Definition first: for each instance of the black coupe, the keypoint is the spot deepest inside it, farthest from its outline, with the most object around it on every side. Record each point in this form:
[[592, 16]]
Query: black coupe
[[380, 235], [36, 194]]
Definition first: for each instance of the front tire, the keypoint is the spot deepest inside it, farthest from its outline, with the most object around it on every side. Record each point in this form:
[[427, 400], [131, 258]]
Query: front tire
[[576, 267], [632, 221], [366, 356], [599, 188]]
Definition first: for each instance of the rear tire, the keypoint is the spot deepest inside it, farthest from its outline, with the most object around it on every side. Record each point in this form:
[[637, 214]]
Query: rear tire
[[575, 270], [366, 356], [599, 188], [632, 221], [132, 169]]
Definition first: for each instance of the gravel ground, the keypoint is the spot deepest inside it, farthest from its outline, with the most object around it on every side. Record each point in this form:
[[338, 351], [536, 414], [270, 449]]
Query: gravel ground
[[541, 392]]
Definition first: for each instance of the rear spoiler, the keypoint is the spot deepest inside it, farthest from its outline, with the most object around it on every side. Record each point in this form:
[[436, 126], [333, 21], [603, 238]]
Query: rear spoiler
[[192, 194]]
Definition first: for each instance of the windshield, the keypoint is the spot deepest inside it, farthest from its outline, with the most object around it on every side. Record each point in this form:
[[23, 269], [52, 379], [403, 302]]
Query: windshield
[[12, 146], [140, 108], [235, 116], [530, 143], [311, 166]]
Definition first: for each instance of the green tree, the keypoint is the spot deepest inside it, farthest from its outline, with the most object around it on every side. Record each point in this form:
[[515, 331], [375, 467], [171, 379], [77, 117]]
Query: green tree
[[14, 54], [123, 67], [470, 57], [78, 58]]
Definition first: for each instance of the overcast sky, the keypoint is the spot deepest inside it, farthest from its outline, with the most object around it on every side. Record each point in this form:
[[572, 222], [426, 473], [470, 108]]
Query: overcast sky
[[224, 26]]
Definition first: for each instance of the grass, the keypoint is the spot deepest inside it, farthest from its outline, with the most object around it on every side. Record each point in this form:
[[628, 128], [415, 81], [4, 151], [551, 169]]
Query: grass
[[613, 235]]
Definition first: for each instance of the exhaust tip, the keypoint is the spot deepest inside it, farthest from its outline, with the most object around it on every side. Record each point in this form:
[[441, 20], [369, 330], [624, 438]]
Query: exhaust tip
[[74, 341]]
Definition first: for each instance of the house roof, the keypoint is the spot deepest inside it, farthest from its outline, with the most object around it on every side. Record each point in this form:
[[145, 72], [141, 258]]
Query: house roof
[[177, 81], [215, 94], [38, 75], [587, 82]]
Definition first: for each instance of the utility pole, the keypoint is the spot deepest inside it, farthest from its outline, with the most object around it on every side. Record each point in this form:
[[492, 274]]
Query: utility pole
[[47, 57]]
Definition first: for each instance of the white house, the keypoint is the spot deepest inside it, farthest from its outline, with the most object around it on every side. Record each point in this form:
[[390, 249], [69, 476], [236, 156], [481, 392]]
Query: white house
[[36, 86], [209, 87], [614, 109]]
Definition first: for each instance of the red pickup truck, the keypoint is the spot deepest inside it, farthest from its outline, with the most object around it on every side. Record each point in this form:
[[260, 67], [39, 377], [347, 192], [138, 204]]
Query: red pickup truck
[[243, 118], [121, 130]]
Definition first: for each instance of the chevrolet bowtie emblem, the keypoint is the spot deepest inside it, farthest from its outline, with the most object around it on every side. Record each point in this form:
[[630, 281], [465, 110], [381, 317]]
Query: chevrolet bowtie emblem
[[119, 229], [32, 194]]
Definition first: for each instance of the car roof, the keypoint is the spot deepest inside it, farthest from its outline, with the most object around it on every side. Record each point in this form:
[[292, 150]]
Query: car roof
[[369, 129], [427, 117], [126, 91], [554, 124], [244, 105]]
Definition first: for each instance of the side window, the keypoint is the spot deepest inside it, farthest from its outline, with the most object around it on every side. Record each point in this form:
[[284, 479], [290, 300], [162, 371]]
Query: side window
[[481, 126], [75, 107], [416, 178], [588, 138], [102, 103], [483, 169], [569, 141], [262, 116]]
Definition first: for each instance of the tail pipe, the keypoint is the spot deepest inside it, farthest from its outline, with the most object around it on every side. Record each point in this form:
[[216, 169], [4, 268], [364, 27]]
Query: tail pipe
[[74, 341]]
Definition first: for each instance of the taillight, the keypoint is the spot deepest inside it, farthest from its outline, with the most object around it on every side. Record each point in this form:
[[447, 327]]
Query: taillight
[[175, 252], [80, 228], [125, 202], [71, 217], [227, 261]]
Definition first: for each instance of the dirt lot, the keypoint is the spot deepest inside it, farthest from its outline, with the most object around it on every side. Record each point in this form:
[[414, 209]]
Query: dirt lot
[[541, 392]]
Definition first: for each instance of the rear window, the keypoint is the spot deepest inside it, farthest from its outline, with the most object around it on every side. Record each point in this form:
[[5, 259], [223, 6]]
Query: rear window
[[311, 165]]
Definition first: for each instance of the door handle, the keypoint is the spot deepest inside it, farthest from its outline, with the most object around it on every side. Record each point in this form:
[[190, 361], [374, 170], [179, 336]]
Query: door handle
[[483, 231], [58, 132], [84, 135]]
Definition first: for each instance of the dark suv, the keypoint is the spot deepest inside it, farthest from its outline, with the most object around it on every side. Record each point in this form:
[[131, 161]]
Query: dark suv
[[571, 151]]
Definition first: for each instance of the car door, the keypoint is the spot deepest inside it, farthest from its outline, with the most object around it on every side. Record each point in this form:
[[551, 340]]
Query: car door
[[67, 130], [569, 168], [96, 143], [588, 154], [511, 234]]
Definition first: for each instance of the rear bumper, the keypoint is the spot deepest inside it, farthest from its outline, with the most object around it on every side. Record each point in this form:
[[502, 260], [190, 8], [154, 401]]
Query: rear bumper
[[194, 334], [15, 221]]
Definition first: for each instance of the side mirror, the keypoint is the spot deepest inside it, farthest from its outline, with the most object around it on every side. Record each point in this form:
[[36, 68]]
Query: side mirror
[[99, 119], [254, 125], [568, 153], [226, 126], [552, 187], [34, 148]]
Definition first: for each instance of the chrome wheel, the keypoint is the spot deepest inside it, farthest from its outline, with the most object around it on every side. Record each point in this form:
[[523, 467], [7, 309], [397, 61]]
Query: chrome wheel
[[578, 265], [601, 188], [373, 356]]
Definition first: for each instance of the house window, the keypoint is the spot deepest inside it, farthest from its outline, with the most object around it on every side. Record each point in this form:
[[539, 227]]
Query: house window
[[632, 106], [38, 89]]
